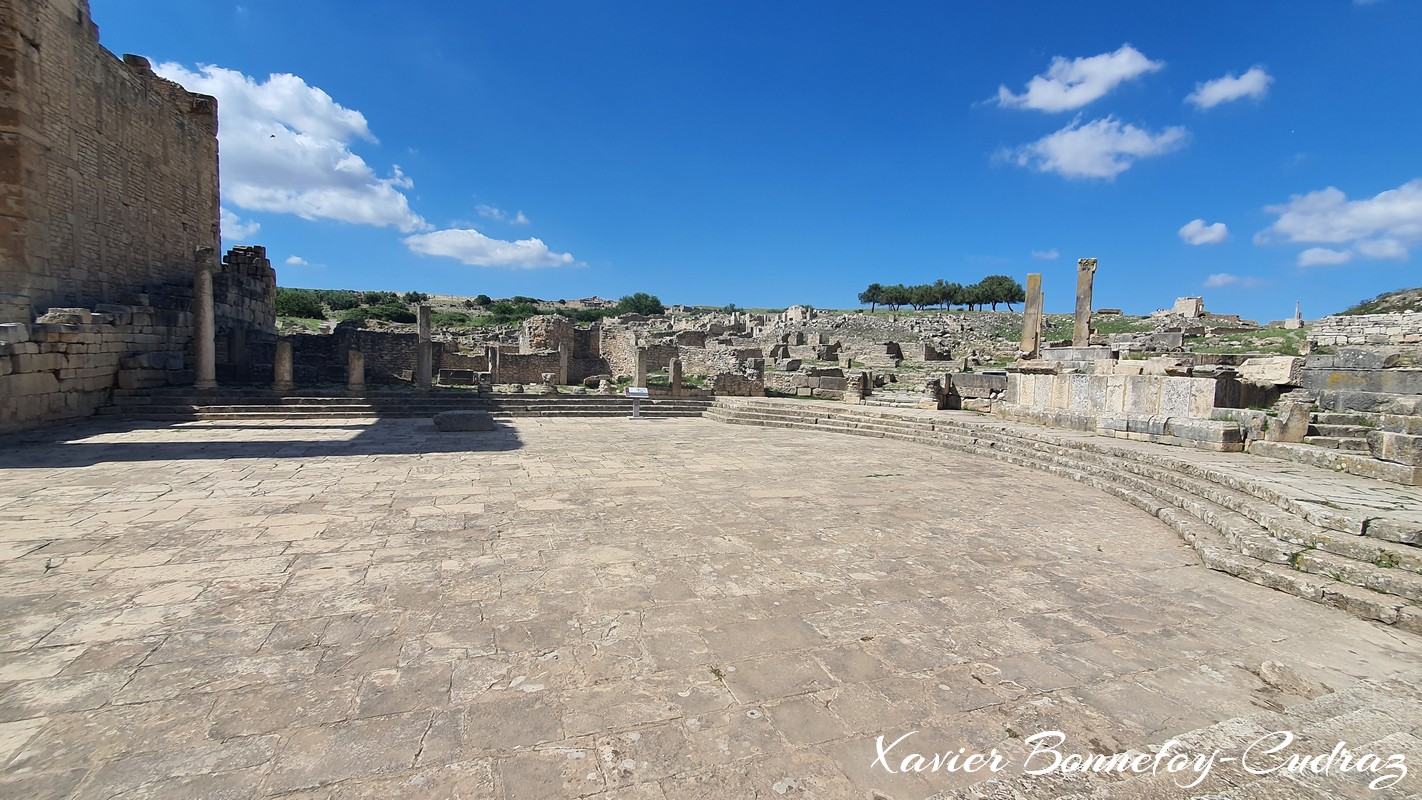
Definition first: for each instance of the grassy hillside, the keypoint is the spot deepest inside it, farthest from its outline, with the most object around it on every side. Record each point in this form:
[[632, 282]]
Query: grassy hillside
[[1387, 302]]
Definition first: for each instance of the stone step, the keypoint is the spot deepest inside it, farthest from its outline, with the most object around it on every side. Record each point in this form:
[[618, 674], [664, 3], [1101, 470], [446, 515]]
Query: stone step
[[317, 415], [1252, 539], [1335, 443], [1339, 431], [1342, 418], [472, 400], [1153, 463], [1340, 461]]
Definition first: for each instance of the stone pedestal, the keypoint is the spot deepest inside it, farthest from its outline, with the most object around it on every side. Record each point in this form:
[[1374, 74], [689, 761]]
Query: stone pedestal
[[204, 321], [1032, 317], [1085, 275], [424, 367], [674, 376], [355, 371], [281, 367]]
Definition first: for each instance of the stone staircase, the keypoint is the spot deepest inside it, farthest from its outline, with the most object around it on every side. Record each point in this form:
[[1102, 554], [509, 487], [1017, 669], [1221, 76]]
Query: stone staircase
[[159, 406], [1374, 435], [1364, 560], [1339, 430], [1382, 717]]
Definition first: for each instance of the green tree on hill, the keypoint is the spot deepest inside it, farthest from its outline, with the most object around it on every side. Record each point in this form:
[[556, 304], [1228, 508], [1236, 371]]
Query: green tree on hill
[[640, 303], [302, 303], [872, 296]]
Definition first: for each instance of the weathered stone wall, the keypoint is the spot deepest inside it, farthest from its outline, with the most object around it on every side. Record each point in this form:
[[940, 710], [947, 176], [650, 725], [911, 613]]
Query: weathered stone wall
[[1387, 329], [1158, 408], [389, 357], [545, 332], [711, 360], [618, 347], [67, 365], [108, 173], [736, 384], [525, 367]]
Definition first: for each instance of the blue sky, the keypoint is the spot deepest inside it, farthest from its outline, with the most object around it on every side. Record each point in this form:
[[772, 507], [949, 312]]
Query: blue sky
[[767, 154]]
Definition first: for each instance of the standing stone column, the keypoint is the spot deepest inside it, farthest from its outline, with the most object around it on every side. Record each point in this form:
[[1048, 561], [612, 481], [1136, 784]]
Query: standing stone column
[[355, 371], [424, 367], [281, 366], [674, 376], [204, 321], [1032, 318], [564, 356], [640, 379], [1085, 274]]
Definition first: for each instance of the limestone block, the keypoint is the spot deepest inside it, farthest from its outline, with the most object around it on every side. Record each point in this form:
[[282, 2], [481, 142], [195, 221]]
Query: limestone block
[[118, 315], [1273, 370], [1399, 448], [1187, 397], [1129, 368], [1142, 395], [38, 362], [5, 368], [29, 383], [1291, 424], [14, 333], [450, 421], [15, 308], [67, 316]]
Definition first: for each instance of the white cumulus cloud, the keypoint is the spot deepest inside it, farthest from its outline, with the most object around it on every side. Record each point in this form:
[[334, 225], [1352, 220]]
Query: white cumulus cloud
[[1102, 148], [1069, 84], [1323, 256], [1197, 232], [1219, 280], [236, 229], [500, 215], [296, 261], [473, 247], [1047, 255], [1253, 84], [286, 148], [1385, 226]]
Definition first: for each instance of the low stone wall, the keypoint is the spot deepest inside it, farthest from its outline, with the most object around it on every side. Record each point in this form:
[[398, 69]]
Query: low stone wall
[[735, 384], [1341, 331], [1158, 408], [525, 367], [712, 360], [66, 365]]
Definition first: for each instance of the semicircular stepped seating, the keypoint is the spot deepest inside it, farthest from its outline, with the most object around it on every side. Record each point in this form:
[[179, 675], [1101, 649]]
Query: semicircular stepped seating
[[1335, 539]]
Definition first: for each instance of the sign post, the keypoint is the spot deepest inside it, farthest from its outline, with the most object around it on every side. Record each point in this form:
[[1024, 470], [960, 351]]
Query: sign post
[[637, 394]]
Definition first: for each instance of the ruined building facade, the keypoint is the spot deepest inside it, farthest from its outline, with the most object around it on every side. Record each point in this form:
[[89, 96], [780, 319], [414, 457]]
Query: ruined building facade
[[108, 206], [108, 173]]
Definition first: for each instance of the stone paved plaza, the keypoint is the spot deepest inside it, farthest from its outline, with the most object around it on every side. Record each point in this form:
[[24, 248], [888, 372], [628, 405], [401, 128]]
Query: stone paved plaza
[[608, 608]]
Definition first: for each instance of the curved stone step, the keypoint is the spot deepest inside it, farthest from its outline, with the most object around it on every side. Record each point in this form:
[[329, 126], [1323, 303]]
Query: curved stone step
[[1232, 530]]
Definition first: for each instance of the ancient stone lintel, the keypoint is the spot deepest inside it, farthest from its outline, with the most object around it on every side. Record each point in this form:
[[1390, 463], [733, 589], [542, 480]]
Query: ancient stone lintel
[[1085, 274]]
